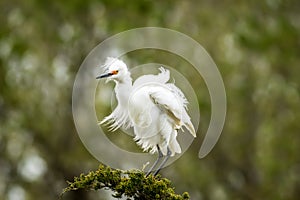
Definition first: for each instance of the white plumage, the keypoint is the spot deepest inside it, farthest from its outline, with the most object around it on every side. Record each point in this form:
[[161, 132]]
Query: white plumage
[[154, 108]]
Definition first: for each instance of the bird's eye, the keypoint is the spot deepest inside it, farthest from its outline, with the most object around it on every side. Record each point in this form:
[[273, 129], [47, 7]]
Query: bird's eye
[[115, 72]]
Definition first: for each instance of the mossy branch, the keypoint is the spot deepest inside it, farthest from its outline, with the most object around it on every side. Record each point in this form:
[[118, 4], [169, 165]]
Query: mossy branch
[[132, 184]]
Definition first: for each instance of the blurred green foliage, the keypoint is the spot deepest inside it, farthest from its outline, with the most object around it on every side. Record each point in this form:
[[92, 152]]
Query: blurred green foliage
[[254, 43]]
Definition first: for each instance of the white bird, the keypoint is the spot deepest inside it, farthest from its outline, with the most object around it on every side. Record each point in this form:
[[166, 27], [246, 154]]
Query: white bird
[[154, 108]]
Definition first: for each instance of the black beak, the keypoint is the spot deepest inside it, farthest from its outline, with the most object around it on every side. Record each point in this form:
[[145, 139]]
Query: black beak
[[104, 75]]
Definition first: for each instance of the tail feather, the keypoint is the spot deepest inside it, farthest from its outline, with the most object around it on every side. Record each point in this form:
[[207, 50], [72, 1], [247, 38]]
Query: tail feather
[[189, 126], [175, 147]]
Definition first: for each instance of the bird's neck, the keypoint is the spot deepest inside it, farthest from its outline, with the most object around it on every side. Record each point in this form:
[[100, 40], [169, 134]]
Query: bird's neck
[[123, 89]]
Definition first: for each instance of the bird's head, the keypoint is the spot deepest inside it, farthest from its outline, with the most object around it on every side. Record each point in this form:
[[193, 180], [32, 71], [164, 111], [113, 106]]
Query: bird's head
[[114, 69]]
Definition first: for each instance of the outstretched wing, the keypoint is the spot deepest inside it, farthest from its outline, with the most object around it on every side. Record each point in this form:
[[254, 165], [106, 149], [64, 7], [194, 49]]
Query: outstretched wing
[[172, 101]]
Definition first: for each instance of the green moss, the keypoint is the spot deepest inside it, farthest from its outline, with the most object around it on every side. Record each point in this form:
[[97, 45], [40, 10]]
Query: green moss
[[132, 183]]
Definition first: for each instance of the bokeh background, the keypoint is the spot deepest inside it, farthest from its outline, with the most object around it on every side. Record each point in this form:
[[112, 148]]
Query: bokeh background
[[255, 44]]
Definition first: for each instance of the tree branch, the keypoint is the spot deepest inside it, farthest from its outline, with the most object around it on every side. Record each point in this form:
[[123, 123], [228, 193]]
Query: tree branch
[[132, 184]]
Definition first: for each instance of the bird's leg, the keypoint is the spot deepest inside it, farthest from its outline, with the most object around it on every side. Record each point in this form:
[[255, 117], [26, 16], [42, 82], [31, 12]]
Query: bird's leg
[[160, 155], [163, 162]]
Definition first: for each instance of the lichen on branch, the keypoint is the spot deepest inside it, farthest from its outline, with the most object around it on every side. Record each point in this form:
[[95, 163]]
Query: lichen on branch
[[132, 184]]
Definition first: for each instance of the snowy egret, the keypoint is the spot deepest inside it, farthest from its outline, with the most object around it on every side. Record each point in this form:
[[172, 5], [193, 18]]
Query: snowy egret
[[154, 108]]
